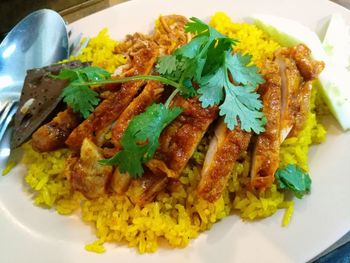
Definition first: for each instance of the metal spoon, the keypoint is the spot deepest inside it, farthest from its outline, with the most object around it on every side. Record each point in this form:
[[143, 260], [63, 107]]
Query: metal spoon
[[38, 40]]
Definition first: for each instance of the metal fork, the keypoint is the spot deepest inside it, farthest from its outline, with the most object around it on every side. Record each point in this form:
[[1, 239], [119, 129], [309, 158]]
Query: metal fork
[[7, 110]]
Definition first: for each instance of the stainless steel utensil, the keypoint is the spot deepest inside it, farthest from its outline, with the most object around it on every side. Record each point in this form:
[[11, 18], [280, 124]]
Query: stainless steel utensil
[[40, 39]]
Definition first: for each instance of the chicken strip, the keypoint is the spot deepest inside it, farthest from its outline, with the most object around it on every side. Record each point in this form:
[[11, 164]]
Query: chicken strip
[[149, 94], [287, 90], [100, 121], [177, 144], [181, 138], [309, 68], [290, 85], [51, 136], [224, 149], [86, 174], [265, 159], [297, 68], [145, 189]]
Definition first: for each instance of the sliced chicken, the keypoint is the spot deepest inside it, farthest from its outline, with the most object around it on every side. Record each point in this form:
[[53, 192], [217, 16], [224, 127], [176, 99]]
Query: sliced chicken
[[224, 149], [181, 138], [287, 90], [308, 67], [149, 94], [265, 159], [177, 144], [86, 174], [301, 114], [290, 85], [99, 122], [296, 69], [145, 189], [51, 136]]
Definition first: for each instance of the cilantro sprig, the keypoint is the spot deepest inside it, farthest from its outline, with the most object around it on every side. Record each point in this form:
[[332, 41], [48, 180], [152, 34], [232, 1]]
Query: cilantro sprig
[[295, 179], [81, 98]]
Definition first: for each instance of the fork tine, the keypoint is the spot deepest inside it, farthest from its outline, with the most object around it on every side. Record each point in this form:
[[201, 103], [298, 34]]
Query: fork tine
[[3, 105], [74, 43], [5, 112], [8, 119]]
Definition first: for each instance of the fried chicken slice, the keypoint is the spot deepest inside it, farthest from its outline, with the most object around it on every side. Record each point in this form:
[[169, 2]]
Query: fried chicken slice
[[290, 85], [265, 159], [224, 149], [51, 136], [99, 122], [297, 68], [86, 174], [177, 144], [149, 94], [287, 90], [181, 138], [309, 68]]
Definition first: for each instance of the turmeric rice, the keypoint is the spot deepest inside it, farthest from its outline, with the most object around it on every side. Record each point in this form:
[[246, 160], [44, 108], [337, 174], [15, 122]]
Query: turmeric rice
[[181, 215]]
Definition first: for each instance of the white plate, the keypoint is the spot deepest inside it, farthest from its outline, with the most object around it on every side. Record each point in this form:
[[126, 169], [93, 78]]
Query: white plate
[[31, 234]]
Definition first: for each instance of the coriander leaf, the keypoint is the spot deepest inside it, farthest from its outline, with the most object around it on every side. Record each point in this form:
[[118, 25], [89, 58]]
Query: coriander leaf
[[241, 72], [94, 73], [200, 28], [192, 48], [216, 54], [211, 88], [81, 99], [140, 140], [294, 178], [241, 104], [234, 109], [166, 64], [65, 74]]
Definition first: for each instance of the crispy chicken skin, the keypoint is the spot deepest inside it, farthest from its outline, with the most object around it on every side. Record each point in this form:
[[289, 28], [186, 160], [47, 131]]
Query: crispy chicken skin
[[177, 144], [304, 108], [149, 94], [143, 190], [224, 149], [308, 67], [287, 90], [180, 139], [51, 136], [290, 84], [265, 159], [297, 68], [97, 124], [86, 174]]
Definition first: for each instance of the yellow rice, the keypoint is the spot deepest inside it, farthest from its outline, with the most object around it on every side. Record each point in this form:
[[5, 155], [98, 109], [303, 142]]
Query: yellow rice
[[181, 215], [100, 51]]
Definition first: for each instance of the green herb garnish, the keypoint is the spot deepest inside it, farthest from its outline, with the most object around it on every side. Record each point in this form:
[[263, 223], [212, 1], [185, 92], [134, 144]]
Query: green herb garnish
[[208, 60], [294, 178], [81, 98]]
